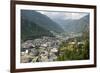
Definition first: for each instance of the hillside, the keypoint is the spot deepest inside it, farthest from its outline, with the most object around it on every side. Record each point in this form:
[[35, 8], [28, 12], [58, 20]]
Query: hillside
[[41, 20], [72, 25], [30, 30]]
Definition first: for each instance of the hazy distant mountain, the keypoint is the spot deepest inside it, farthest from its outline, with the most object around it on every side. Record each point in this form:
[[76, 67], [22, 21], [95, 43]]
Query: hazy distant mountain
[[41, 20], [72, 25], [35, 25]]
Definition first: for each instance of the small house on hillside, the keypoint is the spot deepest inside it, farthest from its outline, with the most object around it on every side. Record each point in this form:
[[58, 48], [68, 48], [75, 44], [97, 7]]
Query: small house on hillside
[[27, 46]]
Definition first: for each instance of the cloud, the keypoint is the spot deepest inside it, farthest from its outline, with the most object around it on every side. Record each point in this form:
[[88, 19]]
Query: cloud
[[50, 14], [63, 15], [75, 16]]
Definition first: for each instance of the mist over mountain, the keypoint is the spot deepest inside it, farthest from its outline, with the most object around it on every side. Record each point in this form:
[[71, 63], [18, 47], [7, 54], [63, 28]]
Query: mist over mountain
[[34, 25], [72, 25]]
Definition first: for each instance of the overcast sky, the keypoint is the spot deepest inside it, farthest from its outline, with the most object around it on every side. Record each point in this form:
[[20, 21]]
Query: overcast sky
[[63, 15]]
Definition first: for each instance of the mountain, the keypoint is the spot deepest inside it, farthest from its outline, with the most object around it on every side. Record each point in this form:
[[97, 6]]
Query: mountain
[[35, 25], [41, 20], [30, 30], [72, 25]]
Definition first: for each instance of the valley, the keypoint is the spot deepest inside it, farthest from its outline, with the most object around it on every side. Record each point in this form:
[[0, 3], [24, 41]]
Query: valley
[[45, 38]]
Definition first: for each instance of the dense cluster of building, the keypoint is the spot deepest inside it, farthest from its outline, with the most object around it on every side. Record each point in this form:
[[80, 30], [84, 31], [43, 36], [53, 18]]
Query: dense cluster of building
[[44, 49]]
